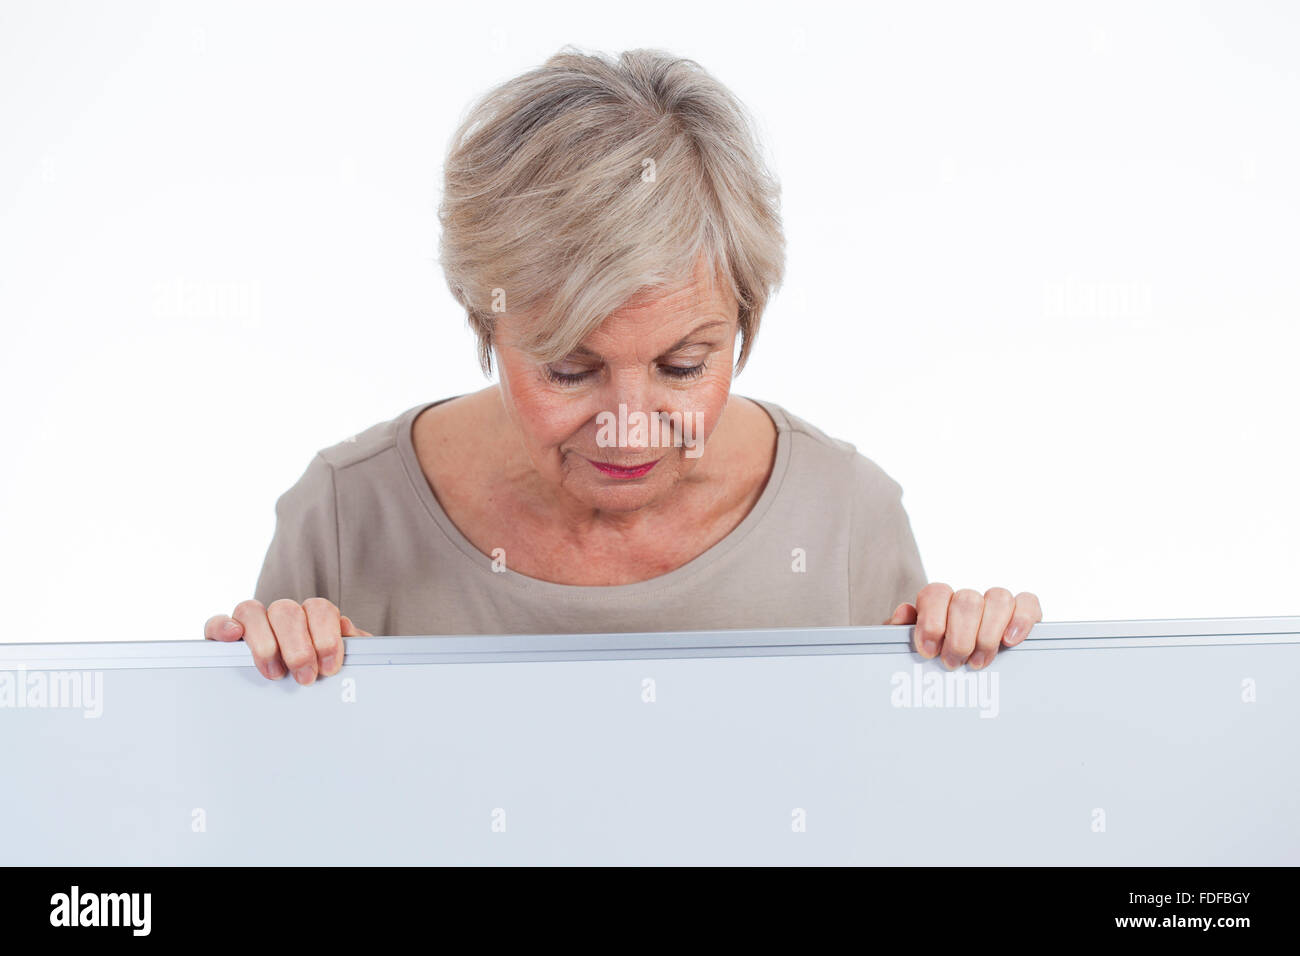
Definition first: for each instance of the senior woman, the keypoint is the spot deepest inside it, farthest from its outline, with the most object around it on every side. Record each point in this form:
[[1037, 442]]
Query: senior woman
[[614, 237]]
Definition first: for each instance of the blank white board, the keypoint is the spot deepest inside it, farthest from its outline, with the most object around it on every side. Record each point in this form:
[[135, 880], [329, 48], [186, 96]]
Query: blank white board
[[1131, 743]]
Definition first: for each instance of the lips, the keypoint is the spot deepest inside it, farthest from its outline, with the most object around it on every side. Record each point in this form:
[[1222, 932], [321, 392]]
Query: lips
[[625, 473]]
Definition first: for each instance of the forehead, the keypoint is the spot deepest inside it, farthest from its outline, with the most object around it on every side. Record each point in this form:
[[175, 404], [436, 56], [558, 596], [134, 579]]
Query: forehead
[[653, 331], [659, 319], [650, 324], [695, 292]]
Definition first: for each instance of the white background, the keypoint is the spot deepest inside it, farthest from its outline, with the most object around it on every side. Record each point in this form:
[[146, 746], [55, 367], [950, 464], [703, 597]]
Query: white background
[[1042, 269]]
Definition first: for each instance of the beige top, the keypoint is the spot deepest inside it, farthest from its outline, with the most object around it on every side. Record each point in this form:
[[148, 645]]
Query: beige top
[[827, 543]]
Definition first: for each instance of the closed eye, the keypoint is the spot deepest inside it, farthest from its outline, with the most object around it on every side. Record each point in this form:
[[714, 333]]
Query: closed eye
[[567, 378], [679, 372], [683, 372]]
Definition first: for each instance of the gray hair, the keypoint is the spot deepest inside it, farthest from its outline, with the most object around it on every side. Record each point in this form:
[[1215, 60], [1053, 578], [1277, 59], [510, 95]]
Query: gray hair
[[590, 179]]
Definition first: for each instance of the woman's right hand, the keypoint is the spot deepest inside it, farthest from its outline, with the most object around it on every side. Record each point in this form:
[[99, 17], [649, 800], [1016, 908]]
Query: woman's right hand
[[288, 637]]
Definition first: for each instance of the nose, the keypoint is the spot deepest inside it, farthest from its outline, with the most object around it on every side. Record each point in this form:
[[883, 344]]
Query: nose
[[632, 393]]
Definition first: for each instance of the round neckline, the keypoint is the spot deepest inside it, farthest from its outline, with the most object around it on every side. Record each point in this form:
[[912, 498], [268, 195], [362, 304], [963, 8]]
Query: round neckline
[[424, 492]]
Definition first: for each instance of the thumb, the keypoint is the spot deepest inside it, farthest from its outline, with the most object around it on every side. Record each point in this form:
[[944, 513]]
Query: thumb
[[903, 614], [351, 630]]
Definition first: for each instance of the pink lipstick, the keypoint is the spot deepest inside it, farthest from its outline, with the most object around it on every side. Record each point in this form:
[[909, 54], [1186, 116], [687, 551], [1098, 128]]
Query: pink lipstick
[[615, 471]]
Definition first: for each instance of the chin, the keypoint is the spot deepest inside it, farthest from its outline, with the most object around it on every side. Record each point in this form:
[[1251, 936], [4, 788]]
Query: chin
[[622, 496]]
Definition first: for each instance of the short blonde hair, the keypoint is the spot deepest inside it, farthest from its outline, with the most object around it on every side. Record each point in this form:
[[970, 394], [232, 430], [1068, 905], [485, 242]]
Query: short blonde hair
[[591, 179]]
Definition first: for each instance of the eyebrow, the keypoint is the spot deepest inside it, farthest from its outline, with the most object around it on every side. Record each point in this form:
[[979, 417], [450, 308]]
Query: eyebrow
[[588, 353]]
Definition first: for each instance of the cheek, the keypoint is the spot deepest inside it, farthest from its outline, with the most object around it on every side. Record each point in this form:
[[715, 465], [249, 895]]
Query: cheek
[[545, 419], [709, 401]]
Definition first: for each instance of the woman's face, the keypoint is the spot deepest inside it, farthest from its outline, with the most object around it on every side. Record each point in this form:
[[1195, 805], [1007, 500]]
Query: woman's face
[[593, 422]]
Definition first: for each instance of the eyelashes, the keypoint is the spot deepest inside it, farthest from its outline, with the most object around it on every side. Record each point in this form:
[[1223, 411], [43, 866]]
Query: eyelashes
[[564, 378], [684, 373], [678, 372]]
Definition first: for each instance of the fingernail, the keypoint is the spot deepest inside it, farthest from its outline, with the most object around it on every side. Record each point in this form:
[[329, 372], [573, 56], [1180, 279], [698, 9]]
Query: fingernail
[[302, 675], [930, 648], [976, 660], [327, 662], [230, 627], [951, 664], [1013, 635], [274, 670]]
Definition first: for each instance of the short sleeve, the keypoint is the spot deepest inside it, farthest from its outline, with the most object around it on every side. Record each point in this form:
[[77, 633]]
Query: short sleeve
[[303, 558], [885, 568]]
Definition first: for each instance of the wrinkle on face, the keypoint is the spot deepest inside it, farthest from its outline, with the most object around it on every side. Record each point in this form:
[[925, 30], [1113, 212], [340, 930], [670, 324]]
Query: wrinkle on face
[[627, 361]]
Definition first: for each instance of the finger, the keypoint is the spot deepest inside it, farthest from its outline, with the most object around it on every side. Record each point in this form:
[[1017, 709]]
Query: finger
[[903, 614], [964, 613], [1028, 612], [931, 618], [260, 638], [326, 634], [998, 607], [222, 627], [290, 626], [351, 630]]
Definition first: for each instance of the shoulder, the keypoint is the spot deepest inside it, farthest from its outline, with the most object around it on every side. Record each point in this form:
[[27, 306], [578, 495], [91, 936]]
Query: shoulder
[[358, 455], [370, 442], [832, 464]]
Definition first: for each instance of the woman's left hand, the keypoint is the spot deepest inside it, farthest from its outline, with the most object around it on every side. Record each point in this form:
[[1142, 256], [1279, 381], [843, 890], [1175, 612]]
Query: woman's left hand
[[965, 627]]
